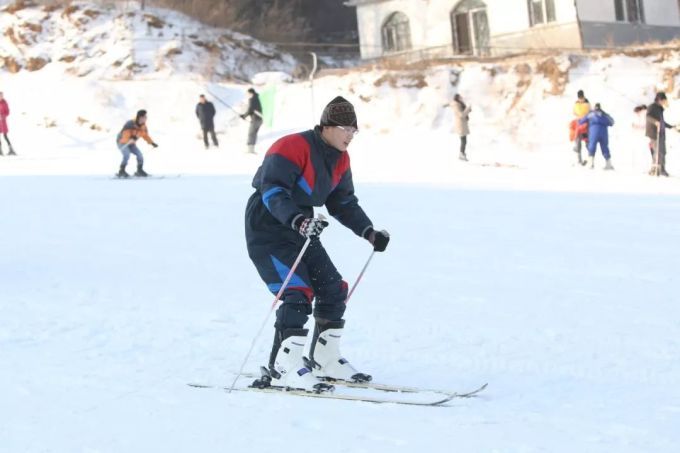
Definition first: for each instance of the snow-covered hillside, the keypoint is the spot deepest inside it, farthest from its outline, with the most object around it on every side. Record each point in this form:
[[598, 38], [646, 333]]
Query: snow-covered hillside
[[119, 41]]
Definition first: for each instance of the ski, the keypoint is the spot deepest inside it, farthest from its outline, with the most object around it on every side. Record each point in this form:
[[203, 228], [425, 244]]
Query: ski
[[389, 387], [432, 399], [138, 178]]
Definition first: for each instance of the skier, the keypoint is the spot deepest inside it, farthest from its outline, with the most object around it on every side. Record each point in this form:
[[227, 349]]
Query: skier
[[461, 121], [4, 129], [581, 109], [205, 112], [255, 114], [301, 171], [656, 132], [127, 143], [598, 121]]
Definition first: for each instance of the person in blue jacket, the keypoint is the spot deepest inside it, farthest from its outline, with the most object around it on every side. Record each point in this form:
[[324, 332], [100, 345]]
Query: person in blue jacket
[[299, 172], [598, 121]]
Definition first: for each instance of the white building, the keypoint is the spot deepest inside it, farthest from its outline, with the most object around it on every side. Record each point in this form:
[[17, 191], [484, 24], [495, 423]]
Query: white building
[[493, 27]]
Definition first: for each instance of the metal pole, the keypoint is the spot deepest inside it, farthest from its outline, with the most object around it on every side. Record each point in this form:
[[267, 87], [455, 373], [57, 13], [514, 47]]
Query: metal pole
[[311, 84], [271, 309], [361, 274]]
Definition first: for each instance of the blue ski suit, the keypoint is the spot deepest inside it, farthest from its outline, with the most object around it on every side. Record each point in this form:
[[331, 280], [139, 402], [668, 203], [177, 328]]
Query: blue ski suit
[[300, 171], [598, 122]]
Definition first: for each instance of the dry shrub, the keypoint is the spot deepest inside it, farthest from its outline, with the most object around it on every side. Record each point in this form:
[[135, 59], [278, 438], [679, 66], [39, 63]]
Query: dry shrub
[[68, 58], [209, 46], [173, 51], [11, 65], [70, 9], [36, 64], [18, 5], [16, 38], [402, 80], [35, 28], [51, 7], [92, 14], [153, 21], [558, 78]]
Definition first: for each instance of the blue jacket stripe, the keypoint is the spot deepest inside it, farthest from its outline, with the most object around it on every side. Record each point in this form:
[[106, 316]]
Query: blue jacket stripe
[[304, 185], [283, 270], [270, 193]]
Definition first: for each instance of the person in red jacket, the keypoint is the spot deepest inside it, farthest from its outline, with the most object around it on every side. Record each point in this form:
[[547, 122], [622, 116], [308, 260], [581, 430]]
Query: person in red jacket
[[4, 113]]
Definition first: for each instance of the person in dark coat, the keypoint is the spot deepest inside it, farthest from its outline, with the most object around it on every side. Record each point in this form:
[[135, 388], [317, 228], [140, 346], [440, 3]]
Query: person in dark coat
[[299, 172], [598, 121], [205, 112], [255, 114], [656, 132]]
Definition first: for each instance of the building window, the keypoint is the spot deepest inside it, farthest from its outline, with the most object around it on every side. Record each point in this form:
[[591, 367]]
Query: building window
[[396, 33], [629, 11], [470, 27], [541, 11]]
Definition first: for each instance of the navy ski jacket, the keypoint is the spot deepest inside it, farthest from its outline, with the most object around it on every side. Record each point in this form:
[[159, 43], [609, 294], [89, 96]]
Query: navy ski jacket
[[598, 122], [301, 171]]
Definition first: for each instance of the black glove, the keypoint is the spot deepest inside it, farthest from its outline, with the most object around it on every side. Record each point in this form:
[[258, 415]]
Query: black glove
[[379, 239], [243, 116], [155, 145], [310, 226]]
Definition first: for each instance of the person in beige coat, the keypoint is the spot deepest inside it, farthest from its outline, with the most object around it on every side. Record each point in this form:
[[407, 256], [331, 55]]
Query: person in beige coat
[[461, 120]]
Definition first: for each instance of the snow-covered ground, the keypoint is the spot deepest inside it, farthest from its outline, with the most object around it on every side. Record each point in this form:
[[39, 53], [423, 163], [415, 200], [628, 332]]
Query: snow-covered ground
[[116, 294], [555, 284]]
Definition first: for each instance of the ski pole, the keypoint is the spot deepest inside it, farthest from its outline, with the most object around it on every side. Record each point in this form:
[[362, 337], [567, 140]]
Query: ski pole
[[271, 309], [361, 274]]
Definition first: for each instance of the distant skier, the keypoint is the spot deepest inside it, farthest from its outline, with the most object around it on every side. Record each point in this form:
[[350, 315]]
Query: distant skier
[[580, 134], [299, 172], [461, 120], [4, 129], [255, 114], [205, 112], [598, 121], [127, 143], [656, 132]]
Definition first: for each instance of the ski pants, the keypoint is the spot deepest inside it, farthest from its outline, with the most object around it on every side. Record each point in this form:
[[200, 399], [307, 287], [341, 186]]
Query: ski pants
[[658, 148], [7, 140], [463, 143], [211, 131], [603, 140], [255, 124], [128, 149], [273, 248]]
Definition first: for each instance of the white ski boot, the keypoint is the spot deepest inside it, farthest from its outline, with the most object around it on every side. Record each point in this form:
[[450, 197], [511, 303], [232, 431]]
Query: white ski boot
[[288, 368], [325, 357], [591, 161], [608, 165]]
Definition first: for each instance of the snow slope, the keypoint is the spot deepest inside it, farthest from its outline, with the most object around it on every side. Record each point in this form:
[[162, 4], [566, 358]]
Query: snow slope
[[115, 294]]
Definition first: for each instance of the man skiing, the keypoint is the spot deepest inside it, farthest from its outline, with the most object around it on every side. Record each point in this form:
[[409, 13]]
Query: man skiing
[[598, 121], [255, 114], [656, 132], [301, 171], [4, 129], [205, 112], [127, 143]]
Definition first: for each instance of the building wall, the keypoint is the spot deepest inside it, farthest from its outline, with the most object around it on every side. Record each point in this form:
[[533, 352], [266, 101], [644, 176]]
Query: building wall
[[509, 26], [657, 12]]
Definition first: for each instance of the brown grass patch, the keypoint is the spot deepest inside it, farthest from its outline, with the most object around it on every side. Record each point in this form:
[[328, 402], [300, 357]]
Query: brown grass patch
[[558, 78], [70, 9], [68, 58], [18, 5], [92, 14], [35, 28], [36, 64], [402, 80], [153, 21], [12, 65]]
